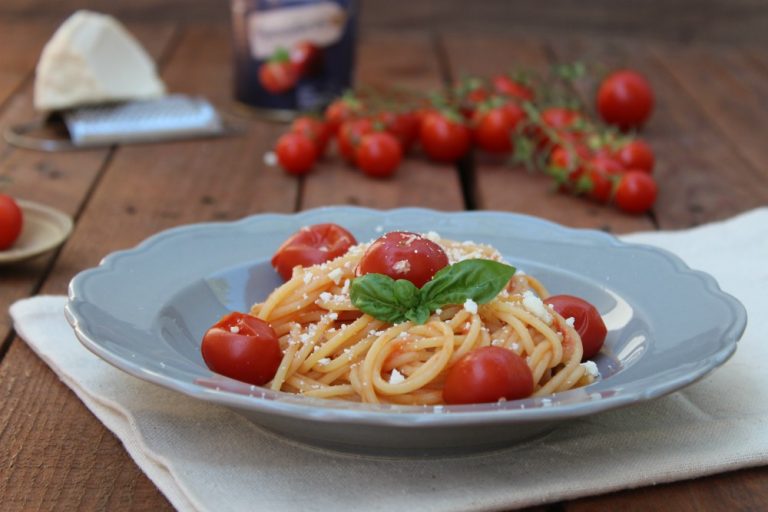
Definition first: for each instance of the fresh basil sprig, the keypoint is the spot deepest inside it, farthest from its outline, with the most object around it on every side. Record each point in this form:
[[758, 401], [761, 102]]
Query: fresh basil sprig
[[398, 300]]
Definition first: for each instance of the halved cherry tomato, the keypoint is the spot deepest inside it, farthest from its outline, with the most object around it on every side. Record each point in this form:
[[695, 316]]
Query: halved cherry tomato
[[505, 85], [587, 321], [340, 110], [636, 192], [636, 155], [277, 76], [379, 154], [11, 221], [444, 137], [315, 130], [625, 98], [242, 347], [488, 374], [350, 135], [403, 255], [312, 245], [296, 153], [494, 128]]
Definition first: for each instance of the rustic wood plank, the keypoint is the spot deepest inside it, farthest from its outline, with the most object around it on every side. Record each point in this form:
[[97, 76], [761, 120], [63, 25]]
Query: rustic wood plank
[[407, 60], [501, 187], [736, 102], [701, 176]]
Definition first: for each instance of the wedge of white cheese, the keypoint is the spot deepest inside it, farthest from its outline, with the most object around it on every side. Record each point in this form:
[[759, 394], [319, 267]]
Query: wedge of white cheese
[[90, 60]]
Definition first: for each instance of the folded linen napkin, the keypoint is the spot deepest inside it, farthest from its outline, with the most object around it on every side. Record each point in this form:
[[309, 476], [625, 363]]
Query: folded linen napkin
[[205, 457]]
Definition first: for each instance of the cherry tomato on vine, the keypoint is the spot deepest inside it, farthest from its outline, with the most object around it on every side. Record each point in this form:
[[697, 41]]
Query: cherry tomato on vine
[[625, 99], [296, 153], [305, 58], [505, 85], [587, 321], [603, 173], [277, 76], [350, 135], [311, 245], [340, 110], [11, 221], [636, 192], [403, 255], [315, 130], [444, 136], [636, 155], [494, 128], [242, 347], [379, 154], [403, 125], [488, 374]]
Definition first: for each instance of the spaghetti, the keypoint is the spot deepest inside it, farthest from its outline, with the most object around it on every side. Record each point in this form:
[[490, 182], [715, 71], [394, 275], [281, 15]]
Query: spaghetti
[[333, 350]]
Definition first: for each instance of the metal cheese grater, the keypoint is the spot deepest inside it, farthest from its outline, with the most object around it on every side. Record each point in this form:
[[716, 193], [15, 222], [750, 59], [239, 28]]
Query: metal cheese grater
[[171, 117]]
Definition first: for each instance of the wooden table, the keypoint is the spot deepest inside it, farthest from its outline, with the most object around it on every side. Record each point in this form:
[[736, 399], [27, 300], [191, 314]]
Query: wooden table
[[708, 133]]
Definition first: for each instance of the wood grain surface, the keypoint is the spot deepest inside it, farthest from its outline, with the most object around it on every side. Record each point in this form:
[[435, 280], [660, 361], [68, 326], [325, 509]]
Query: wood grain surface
[[709, 69]]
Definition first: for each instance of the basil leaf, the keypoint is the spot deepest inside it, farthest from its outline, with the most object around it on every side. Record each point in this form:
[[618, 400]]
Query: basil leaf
[[418, 315], [477, 279], [384, 298]]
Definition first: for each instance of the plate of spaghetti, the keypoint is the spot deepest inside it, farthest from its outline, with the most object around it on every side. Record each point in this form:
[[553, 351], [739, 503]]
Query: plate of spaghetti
[[407, 331]]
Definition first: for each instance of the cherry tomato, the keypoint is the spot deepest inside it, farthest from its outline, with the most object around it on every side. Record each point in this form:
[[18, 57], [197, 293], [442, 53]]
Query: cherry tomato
[[560, 120], [636, 192], [494, 128], [350, 135], [315, 130], [603, 172], [403, 255], [625, 98], [587, 321], [305, 58], [444, 137], [488, 374], [403, 125], [636, 155], [295, 153], [379, 154], [505, 85], [277, 76], [242, 347], [340, 110], [11, 221], [312, 245]]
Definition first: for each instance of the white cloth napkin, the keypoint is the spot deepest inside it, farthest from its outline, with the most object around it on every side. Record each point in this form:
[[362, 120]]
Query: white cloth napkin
[[204, 457]]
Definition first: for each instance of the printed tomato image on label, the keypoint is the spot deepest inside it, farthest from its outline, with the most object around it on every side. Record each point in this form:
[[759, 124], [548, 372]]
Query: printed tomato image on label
[[292, 55]]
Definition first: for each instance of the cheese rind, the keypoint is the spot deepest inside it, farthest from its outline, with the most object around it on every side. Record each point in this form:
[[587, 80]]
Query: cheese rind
[[92, 59]]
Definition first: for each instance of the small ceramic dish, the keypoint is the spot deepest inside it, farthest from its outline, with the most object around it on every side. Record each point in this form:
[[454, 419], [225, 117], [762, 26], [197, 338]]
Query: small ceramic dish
[[145, 310], [44, 229]]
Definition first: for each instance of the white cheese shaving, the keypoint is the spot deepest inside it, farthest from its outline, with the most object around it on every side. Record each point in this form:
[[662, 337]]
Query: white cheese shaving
[[536, 307], [591, 368], [570, 321], [470, 306], [326, 296], [308, 277], [402, 267], [324, 361], [396, 377], [234, 329], [335, 275]]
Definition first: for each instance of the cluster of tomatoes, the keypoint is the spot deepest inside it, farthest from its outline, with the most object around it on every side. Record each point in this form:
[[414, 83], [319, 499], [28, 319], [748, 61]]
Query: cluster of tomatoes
[[11, 221], [587, 156], [282, 71]]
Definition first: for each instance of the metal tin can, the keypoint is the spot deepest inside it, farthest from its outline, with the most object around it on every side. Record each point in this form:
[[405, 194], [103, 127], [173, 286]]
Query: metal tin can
[[292, 55]]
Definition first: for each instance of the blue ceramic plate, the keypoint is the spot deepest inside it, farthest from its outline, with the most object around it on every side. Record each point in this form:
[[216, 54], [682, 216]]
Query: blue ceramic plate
[[144, 310]]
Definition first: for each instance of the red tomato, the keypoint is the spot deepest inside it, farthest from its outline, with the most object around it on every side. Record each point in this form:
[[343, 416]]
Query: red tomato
[[312, 245], [503, 84], [445, 138], [11, 221], [403, 255], [340, 110], [495, 128], [277, 76], [636, 192], [305, 58], [587, 321], [488, 374], [625, 98], [295, 153], [315, 130], [379, 154], [242, 347], [559, 118], [403, 125], [637, 155], [603, 172], [350, 135]]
